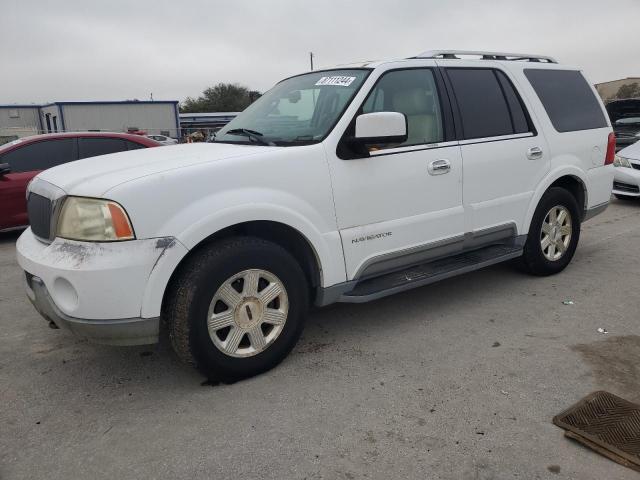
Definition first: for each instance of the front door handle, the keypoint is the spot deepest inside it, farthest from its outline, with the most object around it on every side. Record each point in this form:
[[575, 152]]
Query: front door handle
[[534, 153], [438, 167]]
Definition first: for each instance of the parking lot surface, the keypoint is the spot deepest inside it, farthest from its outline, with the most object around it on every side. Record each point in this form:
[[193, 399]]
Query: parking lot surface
[[456, 380]]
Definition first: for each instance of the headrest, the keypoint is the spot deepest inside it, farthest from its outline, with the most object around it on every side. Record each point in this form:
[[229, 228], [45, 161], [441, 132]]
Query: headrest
[[413, 101]]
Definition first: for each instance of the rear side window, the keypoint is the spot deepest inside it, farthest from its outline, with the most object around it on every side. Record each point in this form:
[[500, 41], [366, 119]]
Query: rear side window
[[92, 147], [482, 105], [519, 118], [41, 155], [567, 98]]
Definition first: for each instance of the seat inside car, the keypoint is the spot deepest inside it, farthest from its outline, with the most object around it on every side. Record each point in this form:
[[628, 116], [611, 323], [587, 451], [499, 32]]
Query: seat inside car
[[417, 104]]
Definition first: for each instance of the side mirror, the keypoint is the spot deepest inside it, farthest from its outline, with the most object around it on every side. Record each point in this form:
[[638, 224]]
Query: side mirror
[[5, 168], [380, 128]]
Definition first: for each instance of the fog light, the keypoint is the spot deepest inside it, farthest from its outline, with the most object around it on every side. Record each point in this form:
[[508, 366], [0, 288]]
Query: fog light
[[64, 295]]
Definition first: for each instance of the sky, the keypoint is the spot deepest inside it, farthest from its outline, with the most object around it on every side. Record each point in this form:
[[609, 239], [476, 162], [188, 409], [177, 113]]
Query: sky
[[115, 49]]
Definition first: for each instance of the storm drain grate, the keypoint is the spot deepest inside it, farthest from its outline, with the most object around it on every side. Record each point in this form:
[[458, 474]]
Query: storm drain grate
[[607, 424]]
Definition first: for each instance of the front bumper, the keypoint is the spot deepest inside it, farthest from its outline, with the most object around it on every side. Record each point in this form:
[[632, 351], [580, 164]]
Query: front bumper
[[626, 181], [125, 331], [99, 290]]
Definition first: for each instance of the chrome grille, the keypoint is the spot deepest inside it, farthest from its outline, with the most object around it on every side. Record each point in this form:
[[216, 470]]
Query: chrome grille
[[39, 209]]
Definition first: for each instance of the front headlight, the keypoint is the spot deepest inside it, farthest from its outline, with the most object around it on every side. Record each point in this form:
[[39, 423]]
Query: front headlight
[[619, 161], [93, 219]]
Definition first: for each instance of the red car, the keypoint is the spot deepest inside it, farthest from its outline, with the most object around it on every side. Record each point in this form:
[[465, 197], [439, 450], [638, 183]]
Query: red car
[[23, 159]]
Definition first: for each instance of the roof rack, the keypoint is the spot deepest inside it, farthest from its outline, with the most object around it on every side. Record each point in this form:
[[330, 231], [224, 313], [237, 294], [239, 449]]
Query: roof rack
[[455, 55]]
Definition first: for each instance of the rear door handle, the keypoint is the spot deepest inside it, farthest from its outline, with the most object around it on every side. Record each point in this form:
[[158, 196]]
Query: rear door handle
[[438, 167], [534, 153]]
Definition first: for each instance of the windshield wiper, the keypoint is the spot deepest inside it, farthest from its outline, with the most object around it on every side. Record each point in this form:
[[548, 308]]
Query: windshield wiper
[[299, 140], [251, 134]]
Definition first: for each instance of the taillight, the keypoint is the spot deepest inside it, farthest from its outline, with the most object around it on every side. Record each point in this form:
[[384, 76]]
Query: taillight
[[611, 149]]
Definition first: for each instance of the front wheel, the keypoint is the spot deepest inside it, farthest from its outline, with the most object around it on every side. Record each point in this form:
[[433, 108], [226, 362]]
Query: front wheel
[[553, 234], [237, 308]]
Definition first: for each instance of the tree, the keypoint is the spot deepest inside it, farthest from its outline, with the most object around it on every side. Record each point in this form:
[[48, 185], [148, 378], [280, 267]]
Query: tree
[[223, 97], [630, 90]]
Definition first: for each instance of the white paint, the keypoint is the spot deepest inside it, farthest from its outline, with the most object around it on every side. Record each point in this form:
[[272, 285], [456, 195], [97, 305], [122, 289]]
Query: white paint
[[109, 278], [348, 210], [628, 175], [381, 124]]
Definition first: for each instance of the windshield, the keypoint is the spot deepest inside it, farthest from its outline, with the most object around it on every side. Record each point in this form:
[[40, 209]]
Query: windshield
[[299, 110]]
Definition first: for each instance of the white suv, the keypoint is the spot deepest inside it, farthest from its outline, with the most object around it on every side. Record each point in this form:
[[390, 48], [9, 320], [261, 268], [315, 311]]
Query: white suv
[[341, 185]]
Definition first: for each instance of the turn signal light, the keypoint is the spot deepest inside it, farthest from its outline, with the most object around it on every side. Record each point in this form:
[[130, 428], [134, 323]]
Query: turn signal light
[[120, 221]]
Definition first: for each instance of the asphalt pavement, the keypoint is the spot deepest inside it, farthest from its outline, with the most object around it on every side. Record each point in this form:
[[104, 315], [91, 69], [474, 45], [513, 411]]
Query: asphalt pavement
[[457, 380]]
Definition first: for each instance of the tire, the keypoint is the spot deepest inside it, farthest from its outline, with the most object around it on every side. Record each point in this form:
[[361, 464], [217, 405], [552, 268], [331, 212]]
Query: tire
[[535, 260], [626, 198], [208, 274]]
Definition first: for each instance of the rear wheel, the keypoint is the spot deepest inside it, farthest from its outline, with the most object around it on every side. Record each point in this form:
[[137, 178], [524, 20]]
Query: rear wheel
[[237, 308], [553, 234]]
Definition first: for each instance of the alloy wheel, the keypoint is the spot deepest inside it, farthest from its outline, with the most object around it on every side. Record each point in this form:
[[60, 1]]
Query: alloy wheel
[[247, 313], [556, 232]]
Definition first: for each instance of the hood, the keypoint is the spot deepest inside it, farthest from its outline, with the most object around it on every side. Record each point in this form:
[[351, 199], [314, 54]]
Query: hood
[[632, 151], [94, 176]]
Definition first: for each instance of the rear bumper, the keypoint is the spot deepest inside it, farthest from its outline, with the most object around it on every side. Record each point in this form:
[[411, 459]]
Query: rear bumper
[[124, 331]]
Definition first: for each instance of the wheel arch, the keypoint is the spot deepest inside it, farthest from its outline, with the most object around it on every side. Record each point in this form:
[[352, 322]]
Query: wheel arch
[[576, 187], [289, 238], [572, 180]]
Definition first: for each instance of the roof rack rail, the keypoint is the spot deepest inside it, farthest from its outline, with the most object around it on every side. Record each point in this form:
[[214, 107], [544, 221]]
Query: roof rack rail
[[455, 55]]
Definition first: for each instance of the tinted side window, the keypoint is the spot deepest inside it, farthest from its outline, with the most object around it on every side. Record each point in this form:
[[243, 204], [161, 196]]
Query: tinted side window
[[92, 147], [414, 93], [41, 155], [519, 118], [482, 104], [567, 98], [133, 145]]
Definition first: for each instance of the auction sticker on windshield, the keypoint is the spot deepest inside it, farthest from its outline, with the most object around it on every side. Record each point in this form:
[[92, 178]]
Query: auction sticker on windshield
[[336, 80]]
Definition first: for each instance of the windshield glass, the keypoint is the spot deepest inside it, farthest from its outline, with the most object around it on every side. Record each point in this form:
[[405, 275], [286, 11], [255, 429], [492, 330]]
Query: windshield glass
[[299, 110]]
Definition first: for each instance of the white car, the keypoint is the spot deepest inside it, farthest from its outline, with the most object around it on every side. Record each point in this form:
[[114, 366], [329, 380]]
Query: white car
[[626, 179], [163, 139], [340, 185]]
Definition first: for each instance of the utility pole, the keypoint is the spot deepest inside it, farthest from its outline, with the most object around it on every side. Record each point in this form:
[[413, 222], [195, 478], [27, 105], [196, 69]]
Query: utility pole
[[311, 59]]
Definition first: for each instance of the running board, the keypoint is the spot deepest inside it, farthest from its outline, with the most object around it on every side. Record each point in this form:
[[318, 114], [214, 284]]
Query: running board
[[430, 272]]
